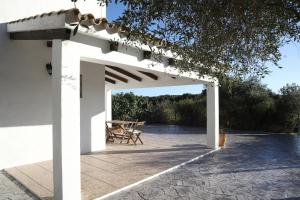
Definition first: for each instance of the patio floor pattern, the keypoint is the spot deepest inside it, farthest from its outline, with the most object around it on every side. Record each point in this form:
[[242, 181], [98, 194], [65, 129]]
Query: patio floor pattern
[[118, 166]]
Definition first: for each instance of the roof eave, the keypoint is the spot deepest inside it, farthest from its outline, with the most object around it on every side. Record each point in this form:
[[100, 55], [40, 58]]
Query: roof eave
[[38, 23]]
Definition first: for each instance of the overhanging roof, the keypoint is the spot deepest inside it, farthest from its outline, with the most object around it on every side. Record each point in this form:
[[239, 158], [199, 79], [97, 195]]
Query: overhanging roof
[[68, 19], [60, 24], [56, 19]]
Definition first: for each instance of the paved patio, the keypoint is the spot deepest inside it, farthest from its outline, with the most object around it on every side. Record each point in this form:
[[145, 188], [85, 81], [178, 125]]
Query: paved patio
[[252, 166], [260, 166], [10, 189], [121, 164]]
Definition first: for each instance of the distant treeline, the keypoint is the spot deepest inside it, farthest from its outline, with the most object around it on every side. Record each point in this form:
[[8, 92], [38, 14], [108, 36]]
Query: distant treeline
[[244, 105]]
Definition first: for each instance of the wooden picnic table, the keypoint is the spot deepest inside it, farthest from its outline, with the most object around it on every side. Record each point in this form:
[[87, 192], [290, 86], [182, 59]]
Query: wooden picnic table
[[120, 122], [124, 130]]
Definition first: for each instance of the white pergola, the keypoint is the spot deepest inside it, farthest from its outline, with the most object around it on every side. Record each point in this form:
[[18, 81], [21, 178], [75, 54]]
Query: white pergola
[[118, 69]]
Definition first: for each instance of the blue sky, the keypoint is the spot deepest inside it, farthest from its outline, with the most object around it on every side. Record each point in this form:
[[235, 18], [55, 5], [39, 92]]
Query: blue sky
[[290, 73]]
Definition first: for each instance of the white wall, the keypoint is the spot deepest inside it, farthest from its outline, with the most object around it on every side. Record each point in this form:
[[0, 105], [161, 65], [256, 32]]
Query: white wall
[[25, 86], [17, 9], [25, 101]]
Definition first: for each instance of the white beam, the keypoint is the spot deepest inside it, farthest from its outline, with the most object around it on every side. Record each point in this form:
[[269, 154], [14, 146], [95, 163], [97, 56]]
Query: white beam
[[66, 121], [213, 115], [131, 60]]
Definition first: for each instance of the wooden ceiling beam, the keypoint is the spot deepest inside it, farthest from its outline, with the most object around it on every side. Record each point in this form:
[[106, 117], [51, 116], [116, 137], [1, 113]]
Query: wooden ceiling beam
[[124, 72], [110, 80], [116, 76], [150, 75]]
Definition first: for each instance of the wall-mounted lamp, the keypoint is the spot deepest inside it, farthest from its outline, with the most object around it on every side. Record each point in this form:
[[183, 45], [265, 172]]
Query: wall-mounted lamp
[[49, 68]]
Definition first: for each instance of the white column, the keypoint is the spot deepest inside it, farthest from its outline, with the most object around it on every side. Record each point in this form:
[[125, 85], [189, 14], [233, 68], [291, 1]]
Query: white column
[[92, 111], [97, 106], [66, 120], [108, 105], [213, 115]]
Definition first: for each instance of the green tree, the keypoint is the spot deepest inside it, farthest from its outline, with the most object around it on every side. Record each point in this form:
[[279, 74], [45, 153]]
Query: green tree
[[124, 106], [216, 37], [289, 107], [245, 104]]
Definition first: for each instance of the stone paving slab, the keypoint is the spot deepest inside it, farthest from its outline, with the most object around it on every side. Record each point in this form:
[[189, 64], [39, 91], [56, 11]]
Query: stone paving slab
[[250, 167], [118, 166], [13, 190]]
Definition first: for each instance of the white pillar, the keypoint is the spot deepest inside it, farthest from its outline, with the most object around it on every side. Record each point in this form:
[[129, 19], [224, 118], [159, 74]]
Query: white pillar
[[108, 105], [213, 115], [93, 107], [66, 120]]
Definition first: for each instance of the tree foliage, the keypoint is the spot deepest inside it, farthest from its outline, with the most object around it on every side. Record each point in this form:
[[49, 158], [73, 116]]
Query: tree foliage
[[289, 106], [244, 105], [216, 37]]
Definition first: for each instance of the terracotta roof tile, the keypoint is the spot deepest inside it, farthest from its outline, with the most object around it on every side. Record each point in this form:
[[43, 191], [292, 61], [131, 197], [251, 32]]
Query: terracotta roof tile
[[75, 16]]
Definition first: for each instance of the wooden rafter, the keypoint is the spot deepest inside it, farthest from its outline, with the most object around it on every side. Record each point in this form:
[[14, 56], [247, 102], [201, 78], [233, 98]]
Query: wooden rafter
[[124, 72], [116, 76], [150, 75], [110, 80]]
